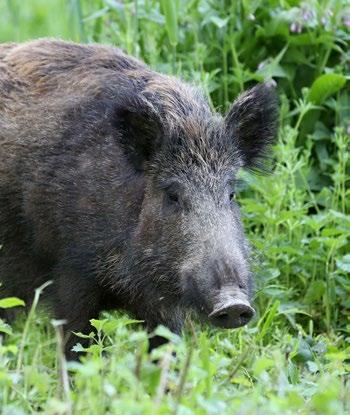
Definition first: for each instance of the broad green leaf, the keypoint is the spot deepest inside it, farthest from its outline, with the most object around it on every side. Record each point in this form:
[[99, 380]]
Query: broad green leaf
[[261, 364], [324, 86], [315, 291], [303, 353], [11, 302], [344, 263], [312, 366], [272, 70], [98, 324], [108, 326]]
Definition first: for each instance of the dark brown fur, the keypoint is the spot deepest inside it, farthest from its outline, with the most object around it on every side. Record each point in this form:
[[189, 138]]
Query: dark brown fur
[[91, 141]]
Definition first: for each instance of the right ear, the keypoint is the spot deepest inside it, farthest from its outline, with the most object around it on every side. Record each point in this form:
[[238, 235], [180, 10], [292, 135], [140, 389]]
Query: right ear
[[140, 132], [252, 124]]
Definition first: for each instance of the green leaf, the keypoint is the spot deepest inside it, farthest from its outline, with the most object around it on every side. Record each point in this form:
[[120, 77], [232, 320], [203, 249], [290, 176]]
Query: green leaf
[[315, 291], [84, 336], [78, 348], [11, 302], [324, 86], [220, 23], [98, 324], [5, 328], [170, 12], [261, 364], [241, 381], [167, 334], [312, 366], [303, 353], [344, 263]]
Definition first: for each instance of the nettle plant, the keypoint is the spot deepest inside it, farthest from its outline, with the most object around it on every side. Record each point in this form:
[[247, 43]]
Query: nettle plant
[[226, 46]]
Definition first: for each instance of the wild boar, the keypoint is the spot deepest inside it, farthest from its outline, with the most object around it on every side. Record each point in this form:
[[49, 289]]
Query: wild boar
[[117, 183]]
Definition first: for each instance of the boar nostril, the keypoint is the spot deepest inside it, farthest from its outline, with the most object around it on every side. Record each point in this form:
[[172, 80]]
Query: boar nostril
[[245, 315], [222, 316]]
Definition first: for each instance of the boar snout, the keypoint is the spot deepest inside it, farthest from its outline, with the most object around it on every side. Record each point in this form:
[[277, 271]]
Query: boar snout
[[230, 312]]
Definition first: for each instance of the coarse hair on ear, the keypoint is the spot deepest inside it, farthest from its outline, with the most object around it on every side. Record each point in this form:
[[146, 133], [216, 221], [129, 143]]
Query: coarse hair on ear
[[252, 124], [139, 129]]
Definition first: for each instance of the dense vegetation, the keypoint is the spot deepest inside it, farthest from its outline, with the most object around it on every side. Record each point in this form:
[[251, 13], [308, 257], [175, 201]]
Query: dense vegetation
[[295, 357]]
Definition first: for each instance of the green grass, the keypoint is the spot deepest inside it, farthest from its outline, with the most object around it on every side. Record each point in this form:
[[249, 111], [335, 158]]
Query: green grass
[[267, 368], [295, 357]]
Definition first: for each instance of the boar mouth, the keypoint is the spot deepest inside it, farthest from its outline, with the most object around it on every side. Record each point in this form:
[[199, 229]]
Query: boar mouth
[[227, 307]]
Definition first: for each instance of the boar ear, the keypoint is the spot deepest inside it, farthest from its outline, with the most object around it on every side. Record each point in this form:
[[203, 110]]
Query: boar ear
[[140, 133], [252, 124]]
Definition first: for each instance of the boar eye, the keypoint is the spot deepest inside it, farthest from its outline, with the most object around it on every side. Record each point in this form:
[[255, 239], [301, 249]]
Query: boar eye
[[232, 196], [172, 197]]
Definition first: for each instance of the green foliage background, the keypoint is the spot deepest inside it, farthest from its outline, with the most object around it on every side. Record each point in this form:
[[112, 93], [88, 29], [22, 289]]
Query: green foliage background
[[295, 357]]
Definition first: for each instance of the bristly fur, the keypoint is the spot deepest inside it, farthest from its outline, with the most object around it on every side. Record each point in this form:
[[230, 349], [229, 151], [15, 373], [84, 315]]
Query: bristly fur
[[115, 184]]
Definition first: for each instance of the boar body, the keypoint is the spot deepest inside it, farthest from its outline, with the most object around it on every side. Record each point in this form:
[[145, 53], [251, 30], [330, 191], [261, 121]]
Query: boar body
[[115, 184]]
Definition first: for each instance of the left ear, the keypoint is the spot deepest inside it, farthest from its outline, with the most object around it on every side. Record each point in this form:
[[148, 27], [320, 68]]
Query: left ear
[[252, 124]]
